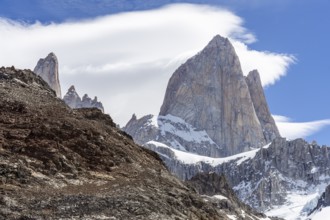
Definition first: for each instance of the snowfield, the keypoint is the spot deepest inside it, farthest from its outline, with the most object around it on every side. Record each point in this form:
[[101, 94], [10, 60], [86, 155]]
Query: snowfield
[[190, 158]]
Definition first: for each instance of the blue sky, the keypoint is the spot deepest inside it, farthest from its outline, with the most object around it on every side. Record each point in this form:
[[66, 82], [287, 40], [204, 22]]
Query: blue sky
[[298, 28]]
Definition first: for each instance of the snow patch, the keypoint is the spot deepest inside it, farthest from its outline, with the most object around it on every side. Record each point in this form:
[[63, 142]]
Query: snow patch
[[232, 217], [190, 158], [314, 170], [294, 207], [322, 214], [182, 129], [220, 197]]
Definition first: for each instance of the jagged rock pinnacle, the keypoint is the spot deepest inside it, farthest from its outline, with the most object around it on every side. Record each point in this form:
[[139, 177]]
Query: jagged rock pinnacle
[[73, 100], [47, 68], [266, 120]]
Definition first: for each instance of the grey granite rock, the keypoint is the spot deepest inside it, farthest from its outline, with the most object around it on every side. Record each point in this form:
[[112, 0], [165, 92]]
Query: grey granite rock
[[266, 179], [266, 120], [210, 93], [72, 99], [47, 68]]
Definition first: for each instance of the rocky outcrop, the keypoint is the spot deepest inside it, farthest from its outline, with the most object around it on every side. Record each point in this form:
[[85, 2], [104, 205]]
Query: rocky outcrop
[[215, 188], [266, 120], [142, 129], [210, 93], [323, 201], [47, 68], [73, 100], [59, 163], [87, 102]]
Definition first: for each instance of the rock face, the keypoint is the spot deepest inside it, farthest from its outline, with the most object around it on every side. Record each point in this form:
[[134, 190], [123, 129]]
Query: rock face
[[47, 68], [266, 120], [323, 202], [59, 163], [265, 178], [215, 188], [210, 93], [73, 100]]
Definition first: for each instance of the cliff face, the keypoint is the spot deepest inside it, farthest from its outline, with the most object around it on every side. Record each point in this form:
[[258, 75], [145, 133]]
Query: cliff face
[[56, 162], [210, 93], [47, 68], [267, 179], [265, 118]]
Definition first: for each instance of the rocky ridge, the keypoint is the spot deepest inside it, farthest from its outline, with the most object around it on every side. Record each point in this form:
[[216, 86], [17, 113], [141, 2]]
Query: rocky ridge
[[72, 99], [267, 177], [47, 68], [62, 163]]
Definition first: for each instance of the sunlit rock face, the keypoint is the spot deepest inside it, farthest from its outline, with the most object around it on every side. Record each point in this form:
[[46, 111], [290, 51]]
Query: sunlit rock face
[[47, 68]]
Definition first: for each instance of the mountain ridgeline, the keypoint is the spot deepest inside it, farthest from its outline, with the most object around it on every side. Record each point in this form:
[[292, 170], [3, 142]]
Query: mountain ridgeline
[[73, 100], [214, 119]]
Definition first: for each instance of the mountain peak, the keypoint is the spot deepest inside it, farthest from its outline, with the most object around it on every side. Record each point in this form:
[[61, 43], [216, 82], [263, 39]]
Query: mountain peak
[[210, 93], [51, 55], [254, 76], [218, 41], [47, 68], [72, 89], [73, 100], [261, 108]]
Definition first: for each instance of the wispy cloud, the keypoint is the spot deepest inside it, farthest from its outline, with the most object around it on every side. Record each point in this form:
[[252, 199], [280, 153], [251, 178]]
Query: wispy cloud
[[293, 130], [126, 59]]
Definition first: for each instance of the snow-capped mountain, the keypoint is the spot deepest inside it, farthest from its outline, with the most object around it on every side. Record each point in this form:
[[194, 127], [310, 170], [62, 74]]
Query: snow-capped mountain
[[214, 119]]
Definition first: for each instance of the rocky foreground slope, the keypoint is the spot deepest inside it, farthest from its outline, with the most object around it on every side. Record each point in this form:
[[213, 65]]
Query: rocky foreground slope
[[59, 163]]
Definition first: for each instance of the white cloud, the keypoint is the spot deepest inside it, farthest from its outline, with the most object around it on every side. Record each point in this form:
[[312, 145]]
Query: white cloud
[[127, 59], [271, 66], [293, 130]]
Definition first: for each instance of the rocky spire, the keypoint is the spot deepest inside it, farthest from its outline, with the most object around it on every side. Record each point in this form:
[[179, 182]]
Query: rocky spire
[[209, 92], [47, 68], [266, 120], [73, 100]]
